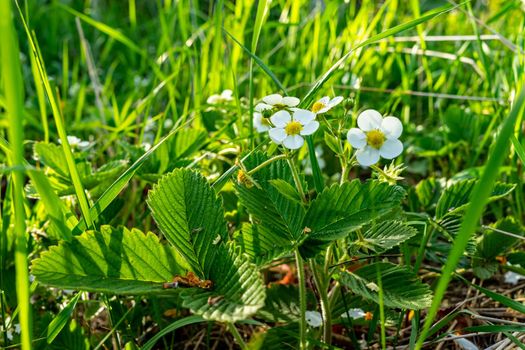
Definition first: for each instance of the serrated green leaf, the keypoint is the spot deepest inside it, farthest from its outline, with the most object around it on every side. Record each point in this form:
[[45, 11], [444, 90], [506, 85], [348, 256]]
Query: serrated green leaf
[[401, 288], [385, 235], [428, 191], [286, 189], [238, 292], [116, 261], [261, 244], [52, 156], [267, 205], [493, 243], [282, 304], [456, 197], [190, 216], [340, 209]]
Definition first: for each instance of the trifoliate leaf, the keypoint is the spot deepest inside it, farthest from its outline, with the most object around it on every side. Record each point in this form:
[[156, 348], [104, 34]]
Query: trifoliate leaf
[[385, 235]]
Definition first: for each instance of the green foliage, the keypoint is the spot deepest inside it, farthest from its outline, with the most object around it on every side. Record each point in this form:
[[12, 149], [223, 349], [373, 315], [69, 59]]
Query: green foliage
[[456, 197], [238, 290], [266, 202], [493, 243], [261, 244], [341, 209], [401, 288], [384, 236], [190, 216], [117, 261]]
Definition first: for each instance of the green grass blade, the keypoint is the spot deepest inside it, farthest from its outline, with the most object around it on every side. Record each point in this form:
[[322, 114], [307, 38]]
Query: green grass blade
[[262, 13], [11, 73], [104, 28], [259, 62], [518, 147], [478, 200], [118, 185], [392, 31], [60, 321], [175, 325], [59, 122], [508, 302]]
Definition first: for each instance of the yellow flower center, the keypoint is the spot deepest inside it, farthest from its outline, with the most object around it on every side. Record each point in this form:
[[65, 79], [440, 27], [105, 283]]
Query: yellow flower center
[[318, 106], [293, 128], [375, 138]]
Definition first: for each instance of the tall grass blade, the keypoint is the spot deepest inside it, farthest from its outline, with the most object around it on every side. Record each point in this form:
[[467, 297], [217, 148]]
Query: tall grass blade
[[11, 73], [59, 122], [478, 200]]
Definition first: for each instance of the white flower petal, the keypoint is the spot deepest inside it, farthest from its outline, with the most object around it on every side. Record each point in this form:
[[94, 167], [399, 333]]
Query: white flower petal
[[335, 101], [391, 127], [262, 107], [290, 101], [303, 116], [367, 156], [281, 118], [273, 99], [277, 135], [353, 313], [369, 120], [293, 141], [258, 123], [325, 100], [313, 318], [227, 94], [310, 128], [213, 99], [391, 148], [324, 110], [356, 137]]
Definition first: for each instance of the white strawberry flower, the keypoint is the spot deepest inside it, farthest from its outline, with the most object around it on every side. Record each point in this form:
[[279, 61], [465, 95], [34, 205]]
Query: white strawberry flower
[[376, 137], [313, 318], [291, 127], [261, 123], [224, 97], [325, 104]]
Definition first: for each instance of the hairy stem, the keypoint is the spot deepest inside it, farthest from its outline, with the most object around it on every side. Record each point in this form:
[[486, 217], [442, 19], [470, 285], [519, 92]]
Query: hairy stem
[[302, 298], [322, 288]]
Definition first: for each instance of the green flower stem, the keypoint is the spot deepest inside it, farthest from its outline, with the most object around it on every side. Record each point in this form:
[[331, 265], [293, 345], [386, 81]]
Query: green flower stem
[[266, 163], [296, 178], [302, 298], [322, 288], [233, 330], [11, 73]]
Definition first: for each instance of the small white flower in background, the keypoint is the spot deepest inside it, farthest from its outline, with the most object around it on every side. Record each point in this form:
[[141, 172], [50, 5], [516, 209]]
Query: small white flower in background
[[224, 97], [513, 277], [276, 101], [75, 142], [325, 104], [270, 105], [261, 123], [376, 137], [290, 128], [313, 318], [354, 314], [465, 344], [146, 146]]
